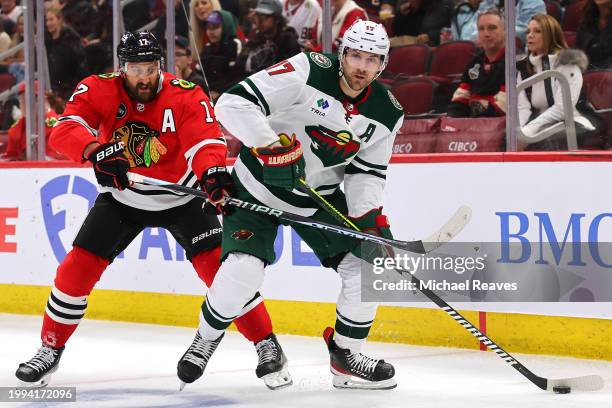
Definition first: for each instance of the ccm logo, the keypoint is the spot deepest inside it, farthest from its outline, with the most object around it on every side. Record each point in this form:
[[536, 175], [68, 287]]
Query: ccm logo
[[109, 151], [462, 146]]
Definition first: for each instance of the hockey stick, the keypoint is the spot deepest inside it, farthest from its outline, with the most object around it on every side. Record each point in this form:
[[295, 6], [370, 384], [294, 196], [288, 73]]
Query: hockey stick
[[583, 383], [419, 247]]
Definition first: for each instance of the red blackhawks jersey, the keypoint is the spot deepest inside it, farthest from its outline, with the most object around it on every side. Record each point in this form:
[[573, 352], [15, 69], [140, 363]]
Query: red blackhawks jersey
[[175, 137]]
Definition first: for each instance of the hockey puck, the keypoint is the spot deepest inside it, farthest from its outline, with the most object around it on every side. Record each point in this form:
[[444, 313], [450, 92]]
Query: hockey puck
[[562, 389]]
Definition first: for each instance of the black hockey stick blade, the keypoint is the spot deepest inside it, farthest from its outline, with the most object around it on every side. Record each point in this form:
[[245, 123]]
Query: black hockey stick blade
[[456, 223]]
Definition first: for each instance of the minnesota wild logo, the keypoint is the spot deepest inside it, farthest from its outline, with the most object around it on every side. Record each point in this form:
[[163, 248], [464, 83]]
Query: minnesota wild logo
[[143, 147], [331, 147]]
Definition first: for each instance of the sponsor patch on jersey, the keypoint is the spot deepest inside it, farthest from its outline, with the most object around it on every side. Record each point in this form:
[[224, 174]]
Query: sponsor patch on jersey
[[121, 111], [331, 147], [242, 235], [143, 147], [181, 83], [320, 105], [320, 59], [108, 76], [394, 101]]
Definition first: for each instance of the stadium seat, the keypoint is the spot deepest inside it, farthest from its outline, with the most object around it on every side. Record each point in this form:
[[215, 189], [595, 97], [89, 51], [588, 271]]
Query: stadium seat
[[553, 8], [450, 59], [597, 85], [6, 81], [409, 60], [572, 15], [417, 136], [469, 135], [415, 95], [570, 38]]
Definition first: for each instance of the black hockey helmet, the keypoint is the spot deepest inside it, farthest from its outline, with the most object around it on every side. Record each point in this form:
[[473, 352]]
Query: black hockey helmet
[[138, 46]]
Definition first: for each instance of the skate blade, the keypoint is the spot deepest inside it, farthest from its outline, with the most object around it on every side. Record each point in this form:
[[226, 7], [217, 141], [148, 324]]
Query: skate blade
[[278, 380], [348, 382], [182, 385], [43, 382]]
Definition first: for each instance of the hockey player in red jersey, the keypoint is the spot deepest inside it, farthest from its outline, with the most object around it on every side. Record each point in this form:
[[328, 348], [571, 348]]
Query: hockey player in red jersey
[[146, 121]]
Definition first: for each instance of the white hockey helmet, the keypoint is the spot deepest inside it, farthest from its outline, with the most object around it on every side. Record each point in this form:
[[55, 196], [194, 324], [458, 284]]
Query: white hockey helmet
[[366, 36]]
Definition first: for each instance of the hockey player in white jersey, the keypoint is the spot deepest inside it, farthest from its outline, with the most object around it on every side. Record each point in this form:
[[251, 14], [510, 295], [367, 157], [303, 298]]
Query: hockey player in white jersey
[[325, 119]]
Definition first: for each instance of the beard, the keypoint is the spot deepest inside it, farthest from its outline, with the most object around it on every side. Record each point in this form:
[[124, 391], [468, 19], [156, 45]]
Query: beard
[[143, 92]]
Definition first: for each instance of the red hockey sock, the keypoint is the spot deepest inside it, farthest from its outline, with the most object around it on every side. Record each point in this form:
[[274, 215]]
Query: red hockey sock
[[206, 264], [74, 281], [255, 325]]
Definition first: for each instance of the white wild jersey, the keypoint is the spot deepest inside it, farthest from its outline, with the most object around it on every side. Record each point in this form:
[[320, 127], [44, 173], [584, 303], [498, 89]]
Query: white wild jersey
[[303, 16], [344, 140]]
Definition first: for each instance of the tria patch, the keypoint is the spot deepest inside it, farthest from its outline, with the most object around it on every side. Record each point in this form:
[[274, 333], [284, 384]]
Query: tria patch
[[143, 147], [242, 235], [320, 59], [320, 106], [332, 148]]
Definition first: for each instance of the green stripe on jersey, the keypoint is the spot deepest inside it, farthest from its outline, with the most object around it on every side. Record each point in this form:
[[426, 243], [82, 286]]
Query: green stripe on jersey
[[352, 169], [239, 90], [371, 165], [259, 96]]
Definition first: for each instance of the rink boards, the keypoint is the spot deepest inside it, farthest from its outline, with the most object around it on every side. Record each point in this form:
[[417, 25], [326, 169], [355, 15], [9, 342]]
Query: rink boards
[[41, 209]]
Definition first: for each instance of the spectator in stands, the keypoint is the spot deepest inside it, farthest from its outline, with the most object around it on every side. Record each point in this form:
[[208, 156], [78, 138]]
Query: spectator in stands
[[16, 146], [80, 15], [303, 16], [181, 22], [10, 10], [525, 9], [540, 106], [136, 14], [99, 43], [463, 21], [16, 66], [5, 39], [378, 10], [221, 52], [183, 63], [594, 34], [199, 10], [344, 14], [273, 40], [65, 54], [422, 19], [482, 91]]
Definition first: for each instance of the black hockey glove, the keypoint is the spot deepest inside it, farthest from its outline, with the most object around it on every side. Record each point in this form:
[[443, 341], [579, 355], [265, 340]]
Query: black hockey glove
[[110, 165], [217, 183]]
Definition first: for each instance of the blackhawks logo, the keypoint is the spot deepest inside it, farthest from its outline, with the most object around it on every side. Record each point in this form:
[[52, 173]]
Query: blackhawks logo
[[242, 235], [143, 147], [332, 148]]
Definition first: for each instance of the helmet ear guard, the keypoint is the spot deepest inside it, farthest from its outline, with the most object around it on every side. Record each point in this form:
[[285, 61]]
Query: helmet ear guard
[[368, 36]]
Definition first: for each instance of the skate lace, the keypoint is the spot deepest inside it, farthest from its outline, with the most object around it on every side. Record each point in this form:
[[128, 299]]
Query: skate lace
[[266, 350], [45, 357], [200, 351], [362, 363]]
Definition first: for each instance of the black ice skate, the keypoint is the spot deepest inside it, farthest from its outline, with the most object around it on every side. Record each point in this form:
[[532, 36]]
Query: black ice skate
[[191, 366], [37, 372], [272, 365], [357, 370]]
